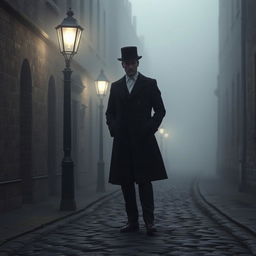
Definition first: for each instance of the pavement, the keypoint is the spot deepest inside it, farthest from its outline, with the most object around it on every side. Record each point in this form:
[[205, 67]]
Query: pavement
[[31, 217], [234, 210], [183, 230], [239, 206], [179, 221]]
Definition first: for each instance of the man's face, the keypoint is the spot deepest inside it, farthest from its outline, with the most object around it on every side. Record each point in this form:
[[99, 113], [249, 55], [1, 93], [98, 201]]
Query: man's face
[[130, 67]]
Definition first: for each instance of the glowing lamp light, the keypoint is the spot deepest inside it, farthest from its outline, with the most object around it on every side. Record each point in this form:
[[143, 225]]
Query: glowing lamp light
[[166, 135], [101, 84], [69, 35], [161, 130]]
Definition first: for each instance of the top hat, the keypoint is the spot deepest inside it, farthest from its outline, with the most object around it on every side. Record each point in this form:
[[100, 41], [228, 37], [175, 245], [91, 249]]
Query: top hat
[[129, 53]]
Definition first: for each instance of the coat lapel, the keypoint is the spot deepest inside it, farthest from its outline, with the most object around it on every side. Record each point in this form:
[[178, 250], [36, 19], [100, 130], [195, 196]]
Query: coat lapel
[[139, 84], [123, 88]]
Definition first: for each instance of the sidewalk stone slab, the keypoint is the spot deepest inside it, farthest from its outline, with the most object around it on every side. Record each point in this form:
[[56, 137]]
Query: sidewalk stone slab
[[33, 216], [234, 210], [225, 196]]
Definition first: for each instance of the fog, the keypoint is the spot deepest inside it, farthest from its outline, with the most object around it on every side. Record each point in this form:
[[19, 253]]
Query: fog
[[181, 42]]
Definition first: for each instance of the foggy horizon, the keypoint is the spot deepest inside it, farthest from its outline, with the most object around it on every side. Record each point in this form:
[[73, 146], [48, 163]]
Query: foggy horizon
[[184, 62]]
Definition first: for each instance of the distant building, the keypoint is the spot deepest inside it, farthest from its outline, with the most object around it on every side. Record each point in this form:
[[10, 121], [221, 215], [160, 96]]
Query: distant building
[[31, 92], [237, 92]]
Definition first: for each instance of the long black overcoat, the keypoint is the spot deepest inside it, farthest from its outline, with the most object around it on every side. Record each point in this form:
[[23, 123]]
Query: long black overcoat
[[135, 153]]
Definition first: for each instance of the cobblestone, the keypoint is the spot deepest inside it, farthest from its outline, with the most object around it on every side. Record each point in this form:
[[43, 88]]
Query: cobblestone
[[182, 230]]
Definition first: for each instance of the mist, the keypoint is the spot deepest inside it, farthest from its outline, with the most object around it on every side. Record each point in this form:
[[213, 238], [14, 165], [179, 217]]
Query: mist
[[181, 42]]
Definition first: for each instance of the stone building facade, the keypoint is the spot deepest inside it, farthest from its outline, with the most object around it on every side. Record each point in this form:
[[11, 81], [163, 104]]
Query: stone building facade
[[31, 92], [237, 92]]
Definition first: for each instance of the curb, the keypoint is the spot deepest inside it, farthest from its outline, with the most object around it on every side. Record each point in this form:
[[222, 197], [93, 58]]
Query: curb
[[244, 234], [12, 245]]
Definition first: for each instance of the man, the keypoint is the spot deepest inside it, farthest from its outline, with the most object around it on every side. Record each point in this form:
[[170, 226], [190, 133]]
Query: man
[[136, 157]]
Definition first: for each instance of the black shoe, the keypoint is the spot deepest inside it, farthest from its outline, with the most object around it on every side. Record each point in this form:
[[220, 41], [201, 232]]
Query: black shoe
[[151, 229], [130, 227]]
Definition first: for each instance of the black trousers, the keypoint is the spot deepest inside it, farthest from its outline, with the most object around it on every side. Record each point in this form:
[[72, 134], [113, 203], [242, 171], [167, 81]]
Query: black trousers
[[146, 199]]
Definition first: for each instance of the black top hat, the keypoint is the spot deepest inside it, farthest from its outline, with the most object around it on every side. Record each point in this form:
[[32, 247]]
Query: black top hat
[[129, 53]]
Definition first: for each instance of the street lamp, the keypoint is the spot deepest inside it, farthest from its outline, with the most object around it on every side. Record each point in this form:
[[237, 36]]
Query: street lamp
[[69, 35], [101, 88]]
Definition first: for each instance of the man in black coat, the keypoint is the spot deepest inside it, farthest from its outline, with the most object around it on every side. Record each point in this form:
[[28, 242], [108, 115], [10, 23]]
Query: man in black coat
[[136, 157]]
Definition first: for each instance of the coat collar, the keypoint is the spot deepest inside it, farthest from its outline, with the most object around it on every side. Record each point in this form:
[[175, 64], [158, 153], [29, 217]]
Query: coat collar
[[135, 77], [139, 84]]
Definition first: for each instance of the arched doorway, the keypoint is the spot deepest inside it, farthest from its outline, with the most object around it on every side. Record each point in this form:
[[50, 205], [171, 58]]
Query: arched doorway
[[26, 132], [52, 136]]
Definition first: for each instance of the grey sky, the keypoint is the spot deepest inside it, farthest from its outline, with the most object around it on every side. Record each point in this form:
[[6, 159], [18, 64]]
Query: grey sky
[[181, 39]]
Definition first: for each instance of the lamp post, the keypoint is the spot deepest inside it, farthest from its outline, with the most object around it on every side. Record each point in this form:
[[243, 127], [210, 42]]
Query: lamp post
[[101, 88], [69, 35]]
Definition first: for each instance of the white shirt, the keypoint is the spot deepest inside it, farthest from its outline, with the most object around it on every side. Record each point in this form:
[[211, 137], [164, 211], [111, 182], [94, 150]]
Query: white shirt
[[130, 81]]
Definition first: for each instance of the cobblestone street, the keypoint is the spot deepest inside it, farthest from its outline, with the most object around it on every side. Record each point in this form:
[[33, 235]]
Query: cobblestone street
[[182, 230]]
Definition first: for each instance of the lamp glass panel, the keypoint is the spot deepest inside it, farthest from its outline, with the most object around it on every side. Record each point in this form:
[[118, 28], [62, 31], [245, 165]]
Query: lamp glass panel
[[69, 37], [78, 37], [60, 39], [101, 87]]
